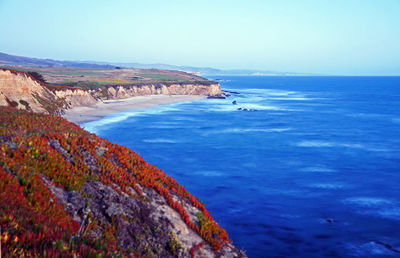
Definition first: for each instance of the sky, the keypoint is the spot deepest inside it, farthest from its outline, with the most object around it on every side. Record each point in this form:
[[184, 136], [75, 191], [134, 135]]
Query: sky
[[341, 37]]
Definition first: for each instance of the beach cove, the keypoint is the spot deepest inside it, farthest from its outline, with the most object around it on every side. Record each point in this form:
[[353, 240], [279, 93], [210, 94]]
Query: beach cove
[[88, 113]]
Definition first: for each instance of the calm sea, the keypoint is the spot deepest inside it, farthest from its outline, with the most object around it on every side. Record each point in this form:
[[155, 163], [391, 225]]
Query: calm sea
[[310, 169]]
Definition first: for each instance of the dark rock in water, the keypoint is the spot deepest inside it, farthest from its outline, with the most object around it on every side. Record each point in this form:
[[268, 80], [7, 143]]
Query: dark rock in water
[[245, 109], [322, 236], [220, 96], [329, 220], [234, 102], [388, 246]]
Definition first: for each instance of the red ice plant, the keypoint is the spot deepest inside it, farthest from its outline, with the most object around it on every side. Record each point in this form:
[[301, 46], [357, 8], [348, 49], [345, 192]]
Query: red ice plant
[[32, 220]]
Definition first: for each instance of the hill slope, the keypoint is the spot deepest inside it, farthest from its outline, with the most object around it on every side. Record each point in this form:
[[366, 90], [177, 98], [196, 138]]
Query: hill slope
[[66, 191], [6, 59]]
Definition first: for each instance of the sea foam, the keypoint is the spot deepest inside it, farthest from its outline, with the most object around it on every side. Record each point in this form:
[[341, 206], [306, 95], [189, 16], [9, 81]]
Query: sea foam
[[95, 126], [369, 202]]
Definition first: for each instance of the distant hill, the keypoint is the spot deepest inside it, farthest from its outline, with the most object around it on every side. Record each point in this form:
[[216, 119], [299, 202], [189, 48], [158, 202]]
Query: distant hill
[[11, 60], [199, 70]]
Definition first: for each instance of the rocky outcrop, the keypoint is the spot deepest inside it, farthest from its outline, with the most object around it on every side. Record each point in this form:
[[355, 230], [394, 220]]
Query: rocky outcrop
[[153, 223]]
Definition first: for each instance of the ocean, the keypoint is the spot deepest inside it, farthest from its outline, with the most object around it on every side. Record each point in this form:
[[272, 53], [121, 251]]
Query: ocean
[[297, 166]]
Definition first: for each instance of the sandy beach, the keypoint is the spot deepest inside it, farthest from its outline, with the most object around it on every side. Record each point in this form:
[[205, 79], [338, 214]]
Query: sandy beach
[[85, 114]]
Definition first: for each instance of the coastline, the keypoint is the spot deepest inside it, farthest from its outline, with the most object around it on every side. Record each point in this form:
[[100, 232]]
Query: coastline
[[84, 114]]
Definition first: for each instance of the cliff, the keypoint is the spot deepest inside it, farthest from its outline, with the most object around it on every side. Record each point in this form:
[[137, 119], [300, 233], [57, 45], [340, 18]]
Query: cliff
[[80, 97], [125, 91], [22, 90]]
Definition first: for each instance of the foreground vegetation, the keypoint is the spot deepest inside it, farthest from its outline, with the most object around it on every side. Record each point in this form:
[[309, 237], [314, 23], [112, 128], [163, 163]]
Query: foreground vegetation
[[40, 153]]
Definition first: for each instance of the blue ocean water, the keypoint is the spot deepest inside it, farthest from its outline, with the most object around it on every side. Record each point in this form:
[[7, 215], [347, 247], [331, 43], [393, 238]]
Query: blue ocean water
[[311, 169]]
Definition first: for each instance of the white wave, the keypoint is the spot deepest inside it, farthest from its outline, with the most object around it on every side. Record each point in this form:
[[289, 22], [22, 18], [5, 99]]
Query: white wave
[[95, 126], [379, 149], [168, 123], [159, 140], [184, 119], [246, 130], [318, 169], [271, 92], [377, 207], [295, 98], [229, 107], [328, 185], [275, 94], [209, 173], [352, 145], [314, 144], [249, 106], [368, 202], [370, 249], [329, 144], [260, 107], [256, 99], [396, 120], [326, 144], [366, 115], [163, 127], [390, 213], [235, 211]]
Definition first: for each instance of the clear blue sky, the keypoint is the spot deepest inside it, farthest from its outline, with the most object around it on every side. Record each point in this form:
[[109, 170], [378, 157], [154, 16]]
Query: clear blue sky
[[330, 37]]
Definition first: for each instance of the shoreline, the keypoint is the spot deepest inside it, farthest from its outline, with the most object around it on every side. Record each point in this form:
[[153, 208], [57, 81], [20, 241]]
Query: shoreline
[[84, 114]]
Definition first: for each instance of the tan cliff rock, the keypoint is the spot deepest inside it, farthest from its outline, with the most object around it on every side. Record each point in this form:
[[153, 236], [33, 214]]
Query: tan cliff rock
[[20, 90], [120, 92], [75, 98]]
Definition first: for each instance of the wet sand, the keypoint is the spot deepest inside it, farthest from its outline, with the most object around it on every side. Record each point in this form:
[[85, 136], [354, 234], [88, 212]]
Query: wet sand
[[99, 110]]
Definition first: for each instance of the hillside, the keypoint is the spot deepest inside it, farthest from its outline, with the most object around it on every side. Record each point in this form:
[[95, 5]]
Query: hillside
[[65, 191], [6, 59]]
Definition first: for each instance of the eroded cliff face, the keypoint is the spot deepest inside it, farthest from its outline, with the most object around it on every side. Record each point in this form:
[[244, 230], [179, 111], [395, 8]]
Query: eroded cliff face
[[24, 92], [75, 98], [20, 90], [120, 92]]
